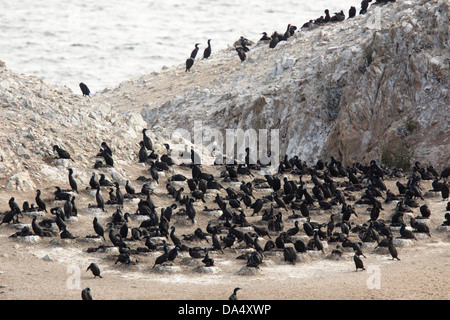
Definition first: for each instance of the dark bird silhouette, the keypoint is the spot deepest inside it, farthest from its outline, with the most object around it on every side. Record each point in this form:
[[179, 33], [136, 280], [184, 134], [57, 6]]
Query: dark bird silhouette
[[189, 64], [94, 269], [265, 37], [274, 40], [207, 52], [195, 51], [147, 141], [289, 254], [241, 53], [392, 249], [351, 12], [129, 189], [234, 296], [72, 181], [358, 262], [406, 234], [36, 229], [99, 199], [85, 90], [119, 195], [62, 154], [40, 203], [86, 294], [176, 241], [364, 6], [98, 228]]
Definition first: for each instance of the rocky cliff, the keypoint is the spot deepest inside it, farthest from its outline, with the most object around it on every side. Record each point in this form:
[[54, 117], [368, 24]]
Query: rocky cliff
[[371, 87]]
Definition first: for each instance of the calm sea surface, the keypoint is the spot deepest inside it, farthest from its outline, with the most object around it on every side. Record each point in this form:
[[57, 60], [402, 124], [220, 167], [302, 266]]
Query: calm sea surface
[[104, 42]]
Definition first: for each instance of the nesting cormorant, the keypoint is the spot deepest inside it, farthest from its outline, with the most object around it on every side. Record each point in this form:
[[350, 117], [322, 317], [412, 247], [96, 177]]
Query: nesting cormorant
[[62, 154], [265, 37]]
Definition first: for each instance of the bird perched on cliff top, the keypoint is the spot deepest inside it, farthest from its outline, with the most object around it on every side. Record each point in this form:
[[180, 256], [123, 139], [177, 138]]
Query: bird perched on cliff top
[[364, 6], [351, 12], [85, 90], [207, 51], [195, 51]]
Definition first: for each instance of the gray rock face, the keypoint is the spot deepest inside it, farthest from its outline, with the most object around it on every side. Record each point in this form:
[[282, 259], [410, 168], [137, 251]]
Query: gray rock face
[[371, 87]]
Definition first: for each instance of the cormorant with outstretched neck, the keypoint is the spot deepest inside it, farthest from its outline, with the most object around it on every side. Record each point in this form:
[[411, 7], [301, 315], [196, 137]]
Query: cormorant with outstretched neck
[[207, 52], [234, 296]]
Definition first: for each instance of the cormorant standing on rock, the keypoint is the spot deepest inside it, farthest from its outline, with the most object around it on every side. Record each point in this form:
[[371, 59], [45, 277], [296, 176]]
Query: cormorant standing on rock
[[274, 40], [364, 6], [147, 141], [327, 16], [85, 90], [358, 262], [207, 51], [351, 12], [40, 202], [194, 52], [189, 64], [72, 182], [99, 198], [98, 228]]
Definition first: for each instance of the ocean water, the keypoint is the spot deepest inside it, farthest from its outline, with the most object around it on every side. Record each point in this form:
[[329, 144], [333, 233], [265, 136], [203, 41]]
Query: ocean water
[[104, 42]]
